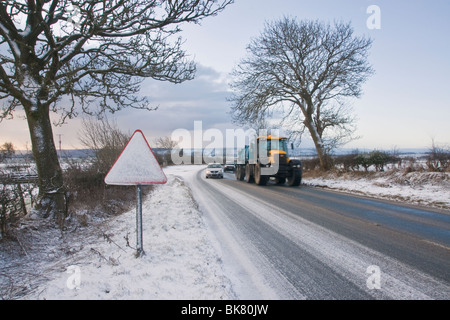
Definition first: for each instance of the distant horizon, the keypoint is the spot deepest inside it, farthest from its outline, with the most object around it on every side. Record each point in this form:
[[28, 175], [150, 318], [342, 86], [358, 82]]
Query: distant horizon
[[343, 150]]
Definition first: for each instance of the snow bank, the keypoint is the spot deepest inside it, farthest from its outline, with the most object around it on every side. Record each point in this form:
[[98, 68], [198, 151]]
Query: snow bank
[[179, 260], [425, 188]]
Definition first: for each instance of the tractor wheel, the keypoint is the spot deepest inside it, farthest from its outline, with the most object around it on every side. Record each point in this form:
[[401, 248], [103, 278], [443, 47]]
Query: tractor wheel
[[240, 173], [248, 174], [296, 178], [260, 179]]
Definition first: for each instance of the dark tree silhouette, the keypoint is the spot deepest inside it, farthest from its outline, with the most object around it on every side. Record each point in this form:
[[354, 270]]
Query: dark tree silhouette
[[305, 70]]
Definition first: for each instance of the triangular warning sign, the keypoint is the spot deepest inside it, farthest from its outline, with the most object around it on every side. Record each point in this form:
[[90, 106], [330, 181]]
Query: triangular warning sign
[[136, 164]]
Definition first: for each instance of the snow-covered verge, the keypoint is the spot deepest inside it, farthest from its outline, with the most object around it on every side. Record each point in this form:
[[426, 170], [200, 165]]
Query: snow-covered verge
[[98, 262], [423, 188]]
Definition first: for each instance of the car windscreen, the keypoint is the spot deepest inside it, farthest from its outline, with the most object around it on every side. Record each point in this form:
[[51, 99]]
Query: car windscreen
[[214, 166]]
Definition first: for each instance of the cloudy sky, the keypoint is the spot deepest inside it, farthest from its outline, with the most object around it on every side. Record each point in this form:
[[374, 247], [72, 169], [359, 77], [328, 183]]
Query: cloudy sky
[[405, 104]]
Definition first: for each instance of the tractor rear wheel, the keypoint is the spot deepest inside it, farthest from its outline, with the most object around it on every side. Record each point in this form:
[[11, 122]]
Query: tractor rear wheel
[[260, 179], [240, 173], [248, 174]]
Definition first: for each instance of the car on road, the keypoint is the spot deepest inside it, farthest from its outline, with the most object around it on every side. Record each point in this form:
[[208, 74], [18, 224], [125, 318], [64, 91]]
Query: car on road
[[214, 170], [229, 167]]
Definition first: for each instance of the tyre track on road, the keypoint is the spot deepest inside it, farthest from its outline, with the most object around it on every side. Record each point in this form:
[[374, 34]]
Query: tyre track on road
[[297, 259]]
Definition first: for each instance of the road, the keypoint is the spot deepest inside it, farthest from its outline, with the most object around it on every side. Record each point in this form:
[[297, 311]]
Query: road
[[280, 242]]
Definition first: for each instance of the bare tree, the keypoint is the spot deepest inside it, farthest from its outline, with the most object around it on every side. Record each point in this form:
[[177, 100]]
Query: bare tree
[[6, 151], [95, 53], [167, 144], [438, 158], [106, 139], [304, 71]]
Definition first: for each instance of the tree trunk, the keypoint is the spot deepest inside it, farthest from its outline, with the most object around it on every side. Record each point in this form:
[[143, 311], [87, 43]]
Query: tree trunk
[[324, 159], [52, 196]]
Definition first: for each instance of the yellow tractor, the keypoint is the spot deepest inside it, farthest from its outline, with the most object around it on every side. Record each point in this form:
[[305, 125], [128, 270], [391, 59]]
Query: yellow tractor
[[266, 157]]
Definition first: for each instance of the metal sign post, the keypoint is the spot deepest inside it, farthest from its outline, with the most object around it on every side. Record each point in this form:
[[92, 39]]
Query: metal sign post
[[136, 166], [139, 242]]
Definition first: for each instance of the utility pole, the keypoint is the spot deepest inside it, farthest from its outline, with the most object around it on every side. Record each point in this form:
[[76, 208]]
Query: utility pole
[[59, 135]]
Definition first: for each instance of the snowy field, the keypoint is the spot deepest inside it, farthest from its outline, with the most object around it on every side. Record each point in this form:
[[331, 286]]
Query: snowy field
[[418, 188], [180, 261]]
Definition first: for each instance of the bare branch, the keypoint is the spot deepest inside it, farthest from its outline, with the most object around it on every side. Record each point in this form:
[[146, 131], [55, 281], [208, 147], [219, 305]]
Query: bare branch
[[94, 50]]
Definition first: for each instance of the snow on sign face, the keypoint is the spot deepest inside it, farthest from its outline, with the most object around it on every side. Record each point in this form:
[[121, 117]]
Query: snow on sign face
[[136, 164]]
